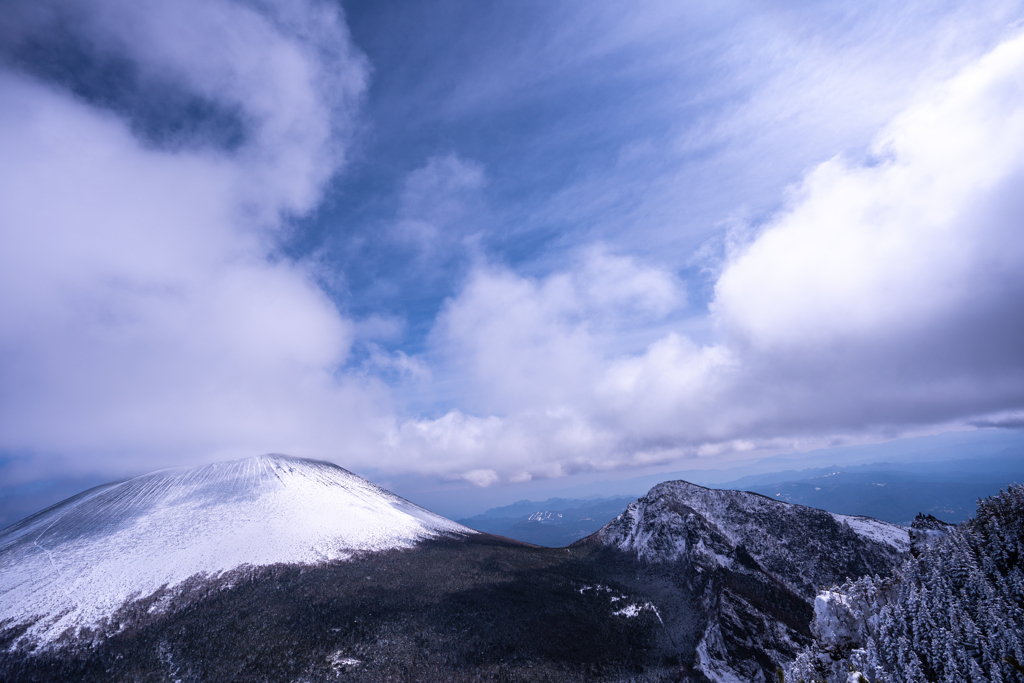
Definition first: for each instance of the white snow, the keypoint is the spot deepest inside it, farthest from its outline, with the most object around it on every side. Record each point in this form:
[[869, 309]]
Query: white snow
[[883, 532], [630, 611], [834, 621], [711, 658], [340, 662], [76, 563], [543, 516]]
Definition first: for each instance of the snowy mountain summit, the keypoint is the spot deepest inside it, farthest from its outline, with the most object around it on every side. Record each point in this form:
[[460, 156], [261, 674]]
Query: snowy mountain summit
[[752, 566], [806, 548], [77, 563]]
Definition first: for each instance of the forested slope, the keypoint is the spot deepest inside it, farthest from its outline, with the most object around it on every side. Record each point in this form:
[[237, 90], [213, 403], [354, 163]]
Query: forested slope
[[953, 612]]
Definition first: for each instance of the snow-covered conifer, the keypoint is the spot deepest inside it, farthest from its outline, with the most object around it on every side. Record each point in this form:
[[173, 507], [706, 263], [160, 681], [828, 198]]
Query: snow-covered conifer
[[954, 612]]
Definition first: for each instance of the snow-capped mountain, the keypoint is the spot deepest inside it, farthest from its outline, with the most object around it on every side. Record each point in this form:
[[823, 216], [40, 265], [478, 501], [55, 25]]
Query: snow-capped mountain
[[274, 568], [752, 565], [75, 564], [804, 547]]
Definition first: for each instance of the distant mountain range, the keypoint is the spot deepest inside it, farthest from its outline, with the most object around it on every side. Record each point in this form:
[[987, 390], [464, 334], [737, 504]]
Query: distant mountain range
[[555, 522], [896, 493], [884, 495]]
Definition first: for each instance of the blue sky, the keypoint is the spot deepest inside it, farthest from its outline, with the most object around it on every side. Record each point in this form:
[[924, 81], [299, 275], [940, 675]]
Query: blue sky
[[501, 244]]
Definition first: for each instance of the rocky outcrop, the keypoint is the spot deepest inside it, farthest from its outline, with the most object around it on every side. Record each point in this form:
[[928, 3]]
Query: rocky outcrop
[[756, 564], [926, 531]]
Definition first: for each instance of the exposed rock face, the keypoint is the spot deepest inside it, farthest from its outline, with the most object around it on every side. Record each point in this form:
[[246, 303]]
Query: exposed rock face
[[805, 548], [926, 531], [757, 564]]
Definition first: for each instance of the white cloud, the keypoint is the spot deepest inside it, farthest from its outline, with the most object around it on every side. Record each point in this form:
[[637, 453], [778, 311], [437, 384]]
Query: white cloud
[[145, 320], [435, 192], [532, 352], [886, 297], [532, 344], [397, 362], [609, 285], [434, 203], [705, 111], [928, 234]]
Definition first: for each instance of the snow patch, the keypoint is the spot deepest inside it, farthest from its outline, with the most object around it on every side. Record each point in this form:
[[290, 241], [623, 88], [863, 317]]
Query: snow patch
[[834, 620], [630, 611], [339, 661], [711, 655], [882, 532]]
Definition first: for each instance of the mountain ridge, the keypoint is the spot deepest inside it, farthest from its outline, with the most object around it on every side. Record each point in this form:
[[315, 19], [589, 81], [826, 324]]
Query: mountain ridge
[[753, 564], [687, 584]]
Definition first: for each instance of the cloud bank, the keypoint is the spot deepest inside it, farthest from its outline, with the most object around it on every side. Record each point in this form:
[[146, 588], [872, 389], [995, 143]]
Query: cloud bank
[[888, 295], [146, 317]]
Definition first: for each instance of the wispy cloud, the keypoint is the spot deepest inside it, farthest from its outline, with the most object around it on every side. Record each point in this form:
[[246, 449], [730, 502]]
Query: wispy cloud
[[887, 295]]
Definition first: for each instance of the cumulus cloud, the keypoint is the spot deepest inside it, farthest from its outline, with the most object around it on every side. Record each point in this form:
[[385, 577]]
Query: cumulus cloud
[[899, 283], [529, 352], [533, 343], [146, 319], [888, 295]]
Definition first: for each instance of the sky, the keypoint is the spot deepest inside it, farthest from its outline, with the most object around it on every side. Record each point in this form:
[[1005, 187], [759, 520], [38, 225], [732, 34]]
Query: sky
[[491, 246]]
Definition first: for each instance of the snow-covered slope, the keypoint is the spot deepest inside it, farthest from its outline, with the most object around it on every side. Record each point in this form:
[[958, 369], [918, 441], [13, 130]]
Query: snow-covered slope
[[77, 562]]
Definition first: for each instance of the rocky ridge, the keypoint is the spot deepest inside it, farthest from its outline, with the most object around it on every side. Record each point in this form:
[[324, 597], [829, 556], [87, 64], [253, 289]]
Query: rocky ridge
[[755, 563]]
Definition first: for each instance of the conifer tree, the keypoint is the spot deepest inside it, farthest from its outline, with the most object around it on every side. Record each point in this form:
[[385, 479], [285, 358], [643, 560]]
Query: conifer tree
[[952, 613]]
